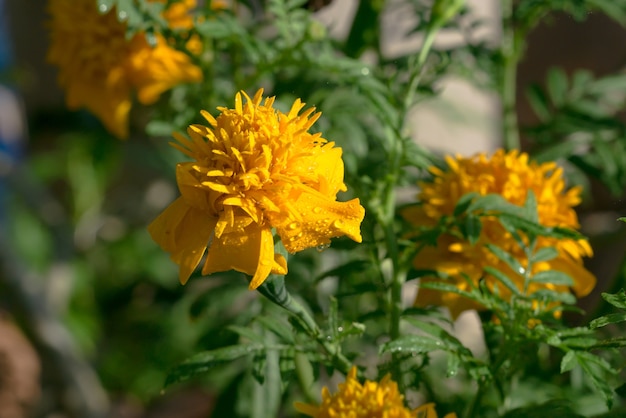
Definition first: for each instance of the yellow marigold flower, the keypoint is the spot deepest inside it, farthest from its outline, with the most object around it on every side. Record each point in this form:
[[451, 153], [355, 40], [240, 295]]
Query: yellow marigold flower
[[99, 68], [369, 400], [254, 169], [510, 175]]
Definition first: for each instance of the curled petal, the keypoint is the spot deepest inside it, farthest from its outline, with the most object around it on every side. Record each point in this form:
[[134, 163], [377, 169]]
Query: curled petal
[[250, 251], [184, 232]]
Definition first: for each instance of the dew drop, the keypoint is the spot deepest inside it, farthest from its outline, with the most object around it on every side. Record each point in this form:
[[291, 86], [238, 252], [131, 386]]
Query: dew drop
[[338, 224], [339, 329], [317, 210], [293, 225], [122, 15], [103, 8], [322, 247], [264, 263]]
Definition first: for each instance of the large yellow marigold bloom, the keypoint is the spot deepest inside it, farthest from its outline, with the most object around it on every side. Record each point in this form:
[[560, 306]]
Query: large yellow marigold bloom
[[369, 400], [100, 69], [510, 175], [254, 169]]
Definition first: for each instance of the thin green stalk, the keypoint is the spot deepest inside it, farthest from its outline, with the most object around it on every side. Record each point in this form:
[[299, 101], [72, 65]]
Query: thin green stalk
[[274, 289], [510, 56], [418, 67]]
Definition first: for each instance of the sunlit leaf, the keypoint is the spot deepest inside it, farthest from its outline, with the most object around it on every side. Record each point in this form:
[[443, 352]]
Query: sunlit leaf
[[608, 319], [618, 299], [552, 277], [205, 361], [420, 344]]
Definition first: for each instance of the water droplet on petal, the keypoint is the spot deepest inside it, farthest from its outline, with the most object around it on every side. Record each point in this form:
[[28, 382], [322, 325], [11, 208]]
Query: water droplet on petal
[[293, 225], [338, 223], [264, 263], [317, 210], [322, 247], [103, 8]]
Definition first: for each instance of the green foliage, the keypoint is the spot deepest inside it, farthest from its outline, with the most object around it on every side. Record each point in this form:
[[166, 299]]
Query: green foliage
[[87, 200]]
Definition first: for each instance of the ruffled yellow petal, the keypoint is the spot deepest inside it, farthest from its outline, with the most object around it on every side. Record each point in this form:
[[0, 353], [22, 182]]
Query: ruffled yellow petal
[[99, 68], [154, 70], [320, 219], [256, 169], [368, 400], [184, 232], [249, 250]]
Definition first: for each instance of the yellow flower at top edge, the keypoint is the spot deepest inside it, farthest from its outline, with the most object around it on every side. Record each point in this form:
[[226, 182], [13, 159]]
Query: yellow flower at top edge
[[510, 175], [254, 169], [100, 69], [368, 400]]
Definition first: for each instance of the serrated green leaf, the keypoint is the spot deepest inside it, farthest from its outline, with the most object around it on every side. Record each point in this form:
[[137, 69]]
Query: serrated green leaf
[[617, 342], [507, 258], [580, 342], [553, 277], [553, 296], [494, 203], [247, 333], [617, 299], [450, 342], [420, 344], [538, 102], [608, 319], [557, 86], [504, 279], [268, 388], [204, 361], [599, 370], [445, 287], [557, 150], [259, 362], [278, 327], [545, 254], [471, 228], [568, 362], [464, 203]]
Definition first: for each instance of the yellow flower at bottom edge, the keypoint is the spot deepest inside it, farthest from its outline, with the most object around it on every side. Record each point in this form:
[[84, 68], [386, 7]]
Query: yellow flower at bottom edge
[[368, 400], [511, 175], [254, 169], [100, 69]]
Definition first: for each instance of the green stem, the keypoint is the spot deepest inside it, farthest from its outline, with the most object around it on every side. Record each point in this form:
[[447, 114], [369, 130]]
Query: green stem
[[510, 55], [418, 67], [273, 288]]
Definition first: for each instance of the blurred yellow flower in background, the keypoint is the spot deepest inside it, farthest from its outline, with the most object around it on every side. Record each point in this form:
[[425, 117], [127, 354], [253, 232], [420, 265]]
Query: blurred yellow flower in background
[[368, 400], [254, 169], [511, 175], [100, 69]]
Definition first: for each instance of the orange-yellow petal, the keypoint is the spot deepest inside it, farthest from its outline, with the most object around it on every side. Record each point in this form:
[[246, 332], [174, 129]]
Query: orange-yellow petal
[[184, 232], [154, 70], [250, 251]]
